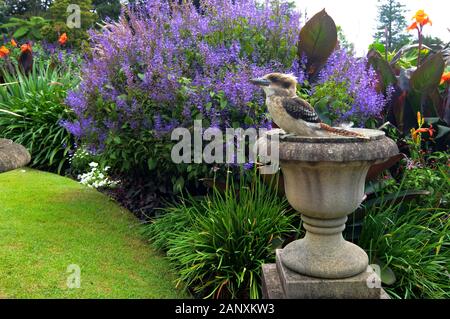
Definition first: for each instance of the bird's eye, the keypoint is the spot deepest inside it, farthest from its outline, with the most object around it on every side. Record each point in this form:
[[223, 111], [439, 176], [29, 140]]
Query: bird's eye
[[285, 84]]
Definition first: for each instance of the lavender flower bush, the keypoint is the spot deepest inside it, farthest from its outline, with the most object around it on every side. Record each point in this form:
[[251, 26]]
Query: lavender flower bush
[[163, 65], [347, 90]]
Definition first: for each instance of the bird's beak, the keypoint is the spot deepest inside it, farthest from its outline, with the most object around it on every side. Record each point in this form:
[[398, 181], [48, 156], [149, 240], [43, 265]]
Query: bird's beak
[[260, 82]]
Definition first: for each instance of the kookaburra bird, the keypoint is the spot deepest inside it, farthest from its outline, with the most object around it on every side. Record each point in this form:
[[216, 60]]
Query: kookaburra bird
[[291, 113]]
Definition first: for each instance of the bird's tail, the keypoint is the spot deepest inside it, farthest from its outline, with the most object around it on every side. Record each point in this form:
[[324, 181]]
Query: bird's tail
[[341, 132]]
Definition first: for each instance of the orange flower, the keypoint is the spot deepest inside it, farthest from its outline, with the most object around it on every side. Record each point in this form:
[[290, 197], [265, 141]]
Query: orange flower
[[25, 48], [63, 39], [412, 26], [415, 134], [13, 43], [420, 120], [445, 78], [420, 19], [4, 52]]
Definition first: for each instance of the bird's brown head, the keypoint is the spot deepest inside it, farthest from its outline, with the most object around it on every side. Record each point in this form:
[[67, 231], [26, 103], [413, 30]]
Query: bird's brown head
[[277, 83]]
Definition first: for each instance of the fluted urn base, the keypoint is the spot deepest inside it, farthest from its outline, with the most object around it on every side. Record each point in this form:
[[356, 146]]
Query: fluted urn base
[[323, 252]]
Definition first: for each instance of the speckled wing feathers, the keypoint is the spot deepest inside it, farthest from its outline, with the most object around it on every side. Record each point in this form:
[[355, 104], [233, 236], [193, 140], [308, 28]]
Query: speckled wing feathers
[[300, 109]]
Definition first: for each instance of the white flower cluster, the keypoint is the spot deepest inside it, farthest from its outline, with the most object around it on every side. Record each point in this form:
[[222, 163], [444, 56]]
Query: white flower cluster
[[79, 154], [97, 177]]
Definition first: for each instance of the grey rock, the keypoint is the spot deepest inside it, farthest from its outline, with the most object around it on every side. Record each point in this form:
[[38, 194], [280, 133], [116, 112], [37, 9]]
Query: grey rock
[[12, 155]]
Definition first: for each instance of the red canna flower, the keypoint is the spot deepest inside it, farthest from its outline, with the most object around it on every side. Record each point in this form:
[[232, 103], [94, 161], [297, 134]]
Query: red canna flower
[[4, 52], [13, 43], [413, 26], [420, 20], [25, 48], [445, 78], [63, 39]]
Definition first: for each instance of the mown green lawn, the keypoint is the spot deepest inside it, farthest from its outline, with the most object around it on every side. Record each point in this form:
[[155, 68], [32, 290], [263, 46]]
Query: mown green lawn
[[48, 222]]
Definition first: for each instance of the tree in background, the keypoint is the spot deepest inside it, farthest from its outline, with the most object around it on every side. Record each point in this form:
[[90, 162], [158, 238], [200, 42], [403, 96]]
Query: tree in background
[[3, 9], [107, 8], [391, 29], [25, 8], [434, 43], [343, 41], [58, 13]]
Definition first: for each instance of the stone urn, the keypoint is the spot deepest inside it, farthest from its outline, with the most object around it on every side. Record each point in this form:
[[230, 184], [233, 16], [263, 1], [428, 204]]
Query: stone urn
[[324, 180]]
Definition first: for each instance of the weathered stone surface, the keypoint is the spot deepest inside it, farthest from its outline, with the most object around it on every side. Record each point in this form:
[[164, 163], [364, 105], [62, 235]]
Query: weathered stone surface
[[338, 148], [324, 180], [281, 283], [12, 155], [271, 284], [328, 256], [297, 286]]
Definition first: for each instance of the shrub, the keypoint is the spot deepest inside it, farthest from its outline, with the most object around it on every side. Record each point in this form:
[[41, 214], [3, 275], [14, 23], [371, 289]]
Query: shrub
[[37, 101], [161, 66], [413, 240], [28, 29], [80, 160], [346, 90], [219, 243], [59, 14]]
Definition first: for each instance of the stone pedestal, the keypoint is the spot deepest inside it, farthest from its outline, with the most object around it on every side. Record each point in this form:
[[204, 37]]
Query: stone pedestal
[[324, 180], [279, 282]]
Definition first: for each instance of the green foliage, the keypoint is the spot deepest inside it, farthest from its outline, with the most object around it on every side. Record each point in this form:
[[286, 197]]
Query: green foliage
[[330, 99], [415, 246], [413, 241], [25, 8], [387, 74], [29, 29], [318, 39], [219, 243], [3, 11], [107, 8], [80, 160], [434, 43], [415, 90], [38, 99], [412, 238], [59, 15], [431, 175], [58, 12], [427, 77], [391, 29]]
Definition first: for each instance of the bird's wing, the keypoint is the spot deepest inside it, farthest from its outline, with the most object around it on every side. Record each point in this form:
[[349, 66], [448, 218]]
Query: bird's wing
[[300, 110]]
